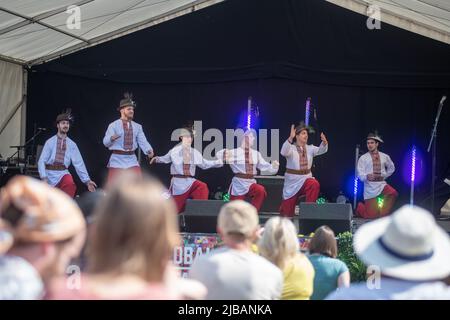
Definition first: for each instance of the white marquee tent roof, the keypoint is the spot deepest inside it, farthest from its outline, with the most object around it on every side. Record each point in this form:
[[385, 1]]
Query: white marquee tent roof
[[430, 18], [35, 31]]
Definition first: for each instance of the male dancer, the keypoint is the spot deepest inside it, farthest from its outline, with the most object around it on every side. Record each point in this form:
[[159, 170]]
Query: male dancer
[[184, 159], [123, 137], [58, 153], [243, 162], [374, 167], [298, 179]]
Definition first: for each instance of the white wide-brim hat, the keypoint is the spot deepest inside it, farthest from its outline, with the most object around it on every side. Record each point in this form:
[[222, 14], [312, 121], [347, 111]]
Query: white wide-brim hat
[[407, 245]]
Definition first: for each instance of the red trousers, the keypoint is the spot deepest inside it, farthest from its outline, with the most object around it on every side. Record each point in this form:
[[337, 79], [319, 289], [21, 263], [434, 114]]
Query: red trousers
[[256, 193], [198, 191], [114, 172], [67, 185], [370, 208], [311, 188]]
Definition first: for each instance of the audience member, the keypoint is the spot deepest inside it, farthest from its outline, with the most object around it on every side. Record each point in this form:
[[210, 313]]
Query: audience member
[[408, 253], [234, 271], [279, 244], [330, 273], [48, 231]]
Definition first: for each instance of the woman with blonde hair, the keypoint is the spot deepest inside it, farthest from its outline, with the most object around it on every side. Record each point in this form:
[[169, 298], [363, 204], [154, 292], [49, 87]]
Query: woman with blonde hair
[[279, 244], [131, 243]]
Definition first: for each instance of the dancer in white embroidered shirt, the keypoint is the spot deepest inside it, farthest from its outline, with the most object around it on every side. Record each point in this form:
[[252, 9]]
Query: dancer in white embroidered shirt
[[184, 159], [58, 153], [298, 179], [244, 161], [123, 137]]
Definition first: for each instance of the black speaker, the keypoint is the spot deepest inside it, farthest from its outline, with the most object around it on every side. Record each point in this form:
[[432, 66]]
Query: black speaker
[[200, 216], [263, 217], [274, 189], [338, 216]]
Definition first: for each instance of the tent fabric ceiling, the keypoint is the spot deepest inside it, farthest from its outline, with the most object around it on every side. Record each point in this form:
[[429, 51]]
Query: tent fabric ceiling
[[308, 40], [430, 18], [32, 32], [35, 31]]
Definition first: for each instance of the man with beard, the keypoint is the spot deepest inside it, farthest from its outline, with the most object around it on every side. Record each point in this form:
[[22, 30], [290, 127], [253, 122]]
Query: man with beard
[[123, 137], [374, 167], [184, 159], [244, 162], [58, 153], [298, 179]]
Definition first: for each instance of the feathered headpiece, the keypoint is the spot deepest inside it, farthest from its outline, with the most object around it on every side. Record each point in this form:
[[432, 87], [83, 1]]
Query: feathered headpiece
[[66, 115], [127, 101]]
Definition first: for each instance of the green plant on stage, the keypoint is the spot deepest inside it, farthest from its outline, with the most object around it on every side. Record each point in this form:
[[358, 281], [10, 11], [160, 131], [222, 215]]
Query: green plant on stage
[[346, 253]]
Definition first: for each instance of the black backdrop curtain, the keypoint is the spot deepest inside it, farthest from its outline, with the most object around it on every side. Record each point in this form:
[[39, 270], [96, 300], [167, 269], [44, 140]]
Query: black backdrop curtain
[[203, 66]]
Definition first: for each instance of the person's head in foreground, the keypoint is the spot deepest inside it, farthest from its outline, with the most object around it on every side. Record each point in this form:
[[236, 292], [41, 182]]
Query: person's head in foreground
[[19, 280], [279, 244], [279, 241], [135, 230], [238, 224], [47, 227], [324, 242], [410, 252], [131, 243], [234, 271], [330, 273]]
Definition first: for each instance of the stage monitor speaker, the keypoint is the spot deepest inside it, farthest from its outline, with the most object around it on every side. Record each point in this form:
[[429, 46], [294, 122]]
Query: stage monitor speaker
[[274, 189], [338, 216], [200, 216], [264, 217]]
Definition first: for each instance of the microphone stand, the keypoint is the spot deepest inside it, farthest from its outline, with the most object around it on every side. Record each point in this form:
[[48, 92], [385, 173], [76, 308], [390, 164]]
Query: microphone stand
[[433, 142], [31, 140], [33, 144]]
